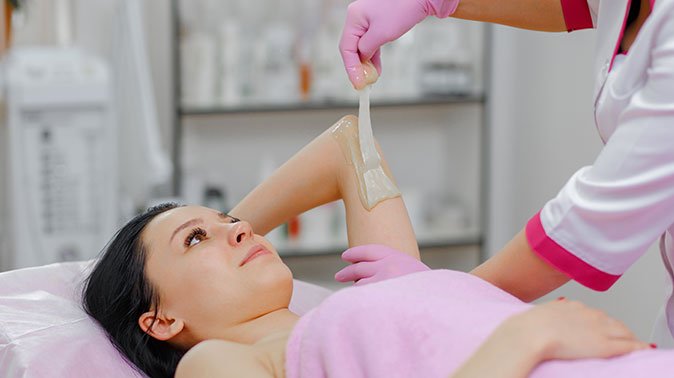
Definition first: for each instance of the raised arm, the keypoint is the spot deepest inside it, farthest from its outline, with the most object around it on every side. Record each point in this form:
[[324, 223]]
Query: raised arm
[[320, 173]]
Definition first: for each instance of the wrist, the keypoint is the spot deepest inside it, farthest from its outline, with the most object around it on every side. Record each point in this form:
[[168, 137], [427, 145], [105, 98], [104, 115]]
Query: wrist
[[509, 351], [532, 344], [442, 8]]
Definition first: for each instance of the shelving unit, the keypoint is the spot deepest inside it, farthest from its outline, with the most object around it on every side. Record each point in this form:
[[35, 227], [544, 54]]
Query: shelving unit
[[186, 115], [325, 105]]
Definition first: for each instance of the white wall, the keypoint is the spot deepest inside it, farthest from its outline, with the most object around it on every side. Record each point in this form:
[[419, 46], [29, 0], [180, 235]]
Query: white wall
[[542, 132]]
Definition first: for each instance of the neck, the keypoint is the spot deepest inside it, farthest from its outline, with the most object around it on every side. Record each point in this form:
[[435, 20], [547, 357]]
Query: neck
[[273, 323]]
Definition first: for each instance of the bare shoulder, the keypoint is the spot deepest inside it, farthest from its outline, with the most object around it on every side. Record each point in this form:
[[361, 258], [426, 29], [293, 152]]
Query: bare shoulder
[[223, 358]]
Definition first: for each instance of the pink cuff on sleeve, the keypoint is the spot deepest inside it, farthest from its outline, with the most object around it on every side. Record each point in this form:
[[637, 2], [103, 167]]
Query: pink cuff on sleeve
[[576, 14], [565, 261]]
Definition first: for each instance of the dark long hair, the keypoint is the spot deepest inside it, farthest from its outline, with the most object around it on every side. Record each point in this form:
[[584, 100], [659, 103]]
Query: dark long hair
[[117, 293]]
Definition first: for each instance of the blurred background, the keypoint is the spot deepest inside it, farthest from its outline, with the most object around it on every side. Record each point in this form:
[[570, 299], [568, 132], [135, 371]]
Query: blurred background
[[110, 106]]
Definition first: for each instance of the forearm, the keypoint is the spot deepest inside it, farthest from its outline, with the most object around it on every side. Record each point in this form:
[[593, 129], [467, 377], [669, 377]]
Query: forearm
[[541, 15], [518, 270], [321, 173]]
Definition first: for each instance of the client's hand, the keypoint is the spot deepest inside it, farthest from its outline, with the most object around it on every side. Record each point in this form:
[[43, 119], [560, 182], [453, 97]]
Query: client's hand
[[556, 330], [374, 262], [570, 330]]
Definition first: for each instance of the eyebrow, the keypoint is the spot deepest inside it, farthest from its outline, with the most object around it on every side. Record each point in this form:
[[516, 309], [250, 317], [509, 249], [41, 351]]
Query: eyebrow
[[183, 226]]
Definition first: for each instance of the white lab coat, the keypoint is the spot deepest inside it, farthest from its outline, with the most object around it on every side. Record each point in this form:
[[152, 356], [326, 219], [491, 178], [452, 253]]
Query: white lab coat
[[608, 214]]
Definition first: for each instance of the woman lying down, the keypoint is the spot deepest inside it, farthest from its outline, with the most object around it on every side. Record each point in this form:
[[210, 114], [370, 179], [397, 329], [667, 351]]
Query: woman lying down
[[191, 292]]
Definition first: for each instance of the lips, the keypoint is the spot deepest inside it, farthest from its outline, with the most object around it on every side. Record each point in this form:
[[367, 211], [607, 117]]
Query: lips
[[255, 251]]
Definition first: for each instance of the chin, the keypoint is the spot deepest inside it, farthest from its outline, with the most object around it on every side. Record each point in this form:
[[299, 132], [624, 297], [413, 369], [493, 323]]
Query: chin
[[278, 281]]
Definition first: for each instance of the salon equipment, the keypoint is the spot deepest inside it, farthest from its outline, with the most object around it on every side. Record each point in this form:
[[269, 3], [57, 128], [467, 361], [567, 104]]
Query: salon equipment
[[62, 155]]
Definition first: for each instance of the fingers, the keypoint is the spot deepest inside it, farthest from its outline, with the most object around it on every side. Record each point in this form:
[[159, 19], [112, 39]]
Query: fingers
[[618, 330], [368, 252], [621, 340], [618, 347], [355, 272], [376, 60], [355, 27], [365, 281], [610, 327], [368, 45]]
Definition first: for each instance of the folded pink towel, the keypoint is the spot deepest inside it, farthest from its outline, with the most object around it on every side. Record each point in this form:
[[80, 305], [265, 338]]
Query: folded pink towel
[[427, 324]]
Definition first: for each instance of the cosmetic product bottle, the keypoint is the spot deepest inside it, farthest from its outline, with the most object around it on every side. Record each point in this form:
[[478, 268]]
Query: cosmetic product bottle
[[198, 69]]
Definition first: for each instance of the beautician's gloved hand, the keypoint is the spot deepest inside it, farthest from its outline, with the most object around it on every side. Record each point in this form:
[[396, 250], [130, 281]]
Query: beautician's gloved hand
[[371, 23], [373, 262]]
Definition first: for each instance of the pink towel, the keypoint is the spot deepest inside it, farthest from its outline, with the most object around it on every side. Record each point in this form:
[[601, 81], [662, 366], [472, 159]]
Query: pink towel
[[427, 324]]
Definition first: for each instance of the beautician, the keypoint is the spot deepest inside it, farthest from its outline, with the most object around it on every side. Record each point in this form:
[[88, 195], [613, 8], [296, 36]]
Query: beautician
[[608, 214]]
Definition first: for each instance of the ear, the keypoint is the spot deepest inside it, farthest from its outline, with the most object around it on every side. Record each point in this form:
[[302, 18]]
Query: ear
[[160, 326]]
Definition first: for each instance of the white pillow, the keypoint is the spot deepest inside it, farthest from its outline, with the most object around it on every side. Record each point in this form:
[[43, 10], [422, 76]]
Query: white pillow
[[44, 332]]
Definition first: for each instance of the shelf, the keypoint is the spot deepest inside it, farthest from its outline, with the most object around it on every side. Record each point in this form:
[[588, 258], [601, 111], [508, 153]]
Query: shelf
[[459, 239], [328, 105]]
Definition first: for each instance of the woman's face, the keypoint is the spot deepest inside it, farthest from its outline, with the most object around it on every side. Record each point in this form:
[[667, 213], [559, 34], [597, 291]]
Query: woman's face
[[212, 271]]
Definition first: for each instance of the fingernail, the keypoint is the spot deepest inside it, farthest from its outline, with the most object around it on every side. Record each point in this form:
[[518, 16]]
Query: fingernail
[[653, 345], [561, 298]]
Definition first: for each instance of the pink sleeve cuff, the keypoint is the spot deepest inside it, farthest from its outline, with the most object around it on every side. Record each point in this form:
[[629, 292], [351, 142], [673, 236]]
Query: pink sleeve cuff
[[565, 261], [576, 15]]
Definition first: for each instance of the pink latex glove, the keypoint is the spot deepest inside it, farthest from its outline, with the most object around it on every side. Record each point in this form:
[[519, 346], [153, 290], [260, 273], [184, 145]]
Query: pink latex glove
[[371, 23], [373, 262]]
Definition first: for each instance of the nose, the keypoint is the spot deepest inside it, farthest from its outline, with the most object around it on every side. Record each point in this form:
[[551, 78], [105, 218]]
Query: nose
[[240, 232]]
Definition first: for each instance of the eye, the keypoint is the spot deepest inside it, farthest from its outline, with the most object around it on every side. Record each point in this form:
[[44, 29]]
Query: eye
[[233, 220], [195, 237]]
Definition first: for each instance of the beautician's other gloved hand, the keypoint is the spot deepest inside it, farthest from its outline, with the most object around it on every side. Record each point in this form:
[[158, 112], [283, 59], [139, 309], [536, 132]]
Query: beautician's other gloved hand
[[373, 262], [371, 23]]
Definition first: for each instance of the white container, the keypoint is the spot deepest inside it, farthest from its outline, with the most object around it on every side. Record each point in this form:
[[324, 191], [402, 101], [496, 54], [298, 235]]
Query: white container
[[230, 54], [198, 66]]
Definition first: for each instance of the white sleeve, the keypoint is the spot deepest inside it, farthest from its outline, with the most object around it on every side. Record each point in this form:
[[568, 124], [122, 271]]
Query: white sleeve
[[608, 214]]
